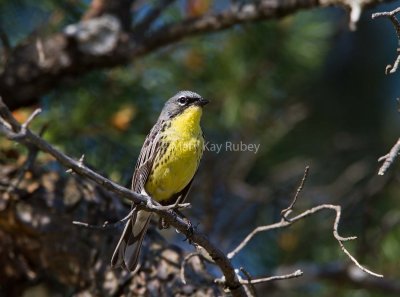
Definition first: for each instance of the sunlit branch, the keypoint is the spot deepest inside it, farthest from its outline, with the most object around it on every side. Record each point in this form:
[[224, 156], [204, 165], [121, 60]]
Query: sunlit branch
[[61, 55], [389, 158], [391, 15], [10, 127], [285, 222]]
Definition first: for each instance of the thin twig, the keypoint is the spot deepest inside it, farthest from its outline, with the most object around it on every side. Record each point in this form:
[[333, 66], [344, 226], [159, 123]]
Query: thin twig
[[81, 159], [295, 274], [391, 15], [106, 225], [389, 158], [169, 207], [249, 285], [287, 211], [394, 151], [285, 223], [354, 260], [33, 115], [392, 69]]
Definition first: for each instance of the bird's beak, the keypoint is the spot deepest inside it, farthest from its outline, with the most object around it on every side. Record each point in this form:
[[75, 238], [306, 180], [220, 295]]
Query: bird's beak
[[202, 102]]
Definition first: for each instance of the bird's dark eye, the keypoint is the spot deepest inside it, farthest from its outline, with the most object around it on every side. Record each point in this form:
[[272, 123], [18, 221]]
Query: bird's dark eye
[[182, 100]]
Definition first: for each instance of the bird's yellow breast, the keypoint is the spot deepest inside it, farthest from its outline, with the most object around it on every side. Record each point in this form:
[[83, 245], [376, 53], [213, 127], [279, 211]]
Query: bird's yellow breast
[[175, 166]]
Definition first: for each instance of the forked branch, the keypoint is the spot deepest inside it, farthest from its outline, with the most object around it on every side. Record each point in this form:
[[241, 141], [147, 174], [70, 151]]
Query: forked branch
[[286, 222], [391, 15]]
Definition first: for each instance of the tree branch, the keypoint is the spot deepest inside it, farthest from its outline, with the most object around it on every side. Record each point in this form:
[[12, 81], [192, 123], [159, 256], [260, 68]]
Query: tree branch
[[394, 151], [391, 15], [295, 274], [24, 79], [21, 134], [389, 158], [285, 222]]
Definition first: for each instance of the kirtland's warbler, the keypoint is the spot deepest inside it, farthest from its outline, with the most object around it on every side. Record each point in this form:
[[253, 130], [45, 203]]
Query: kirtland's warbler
[[165, 168]]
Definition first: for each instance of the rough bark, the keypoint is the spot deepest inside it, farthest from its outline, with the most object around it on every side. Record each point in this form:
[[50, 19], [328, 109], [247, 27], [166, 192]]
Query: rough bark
[[42, 250], [38, 65]]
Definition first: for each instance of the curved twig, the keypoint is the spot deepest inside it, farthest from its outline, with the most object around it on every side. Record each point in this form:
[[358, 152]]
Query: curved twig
[[285, 223]]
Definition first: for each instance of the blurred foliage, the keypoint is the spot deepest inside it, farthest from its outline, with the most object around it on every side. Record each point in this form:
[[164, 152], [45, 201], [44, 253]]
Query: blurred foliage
[[304, 88]]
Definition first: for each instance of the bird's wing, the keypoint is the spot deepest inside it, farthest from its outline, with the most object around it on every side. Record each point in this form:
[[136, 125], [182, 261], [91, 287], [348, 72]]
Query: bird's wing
[[145, 161], [126, 253]]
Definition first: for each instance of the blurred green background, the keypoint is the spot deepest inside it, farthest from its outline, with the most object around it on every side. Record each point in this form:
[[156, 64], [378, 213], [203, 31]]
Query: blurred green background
[[304, 87]]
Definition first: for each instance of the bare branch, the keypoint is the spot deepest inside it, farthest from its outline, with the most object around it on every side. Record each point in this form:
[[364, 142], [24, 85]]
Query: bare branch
[[392, 69], [65, 56], [106, 225], [31, 118], [356, 262], [169, 207], [251, 289], [27, 138], [391, 15], [233, 15], [389, 158], [81, 159], [394, 151], [295, 274], [286, 211], [285, 223]]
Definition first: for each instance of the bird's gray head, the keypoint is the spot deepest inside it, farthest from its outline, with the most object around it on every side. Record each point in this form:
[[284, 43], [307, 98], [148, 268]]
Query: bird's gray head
[[179, 102]]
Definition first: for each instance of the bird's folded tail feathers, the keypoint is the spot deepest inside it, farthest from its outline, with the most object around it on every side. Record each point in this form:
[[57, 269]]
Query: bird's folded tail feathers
[[126, 254]]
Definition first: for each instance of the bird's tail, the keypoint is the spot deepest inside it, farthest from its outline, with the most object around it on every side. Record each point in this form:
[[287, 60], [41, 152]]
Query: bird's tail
[[126, 254]]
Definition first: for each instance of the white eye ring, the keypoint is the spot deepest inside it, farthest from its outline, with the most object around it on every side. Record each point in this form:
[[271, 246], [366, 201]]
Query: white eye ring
[[182, 100]]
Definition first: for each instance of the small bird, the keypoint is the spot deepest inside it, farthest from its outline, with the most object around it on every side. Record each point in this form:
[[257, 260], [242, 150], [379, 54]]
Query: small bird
[[167, 163]]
